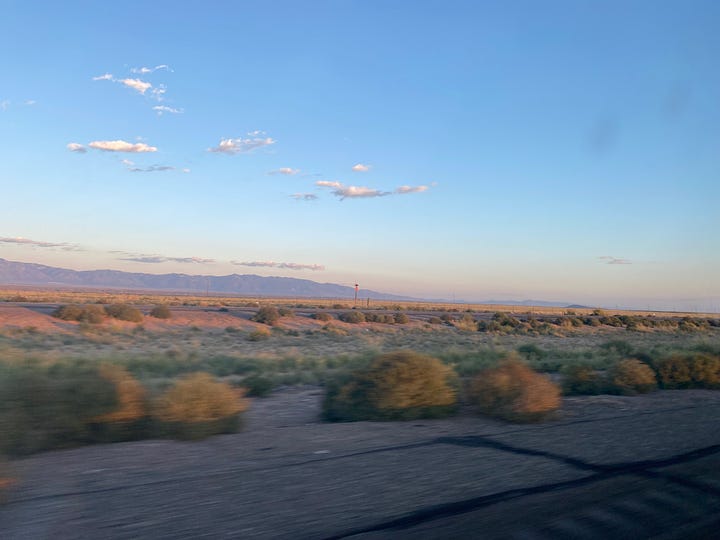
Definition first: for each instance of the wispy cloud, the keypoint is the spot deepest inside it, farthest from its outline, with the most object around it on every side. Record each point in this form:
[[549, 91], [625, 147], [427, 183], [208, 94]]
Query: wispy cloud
[[152, 168], [328, 184], [145, 70], [76, 147], [403, 190], [105, 77], [614, 260], [65, 246], [351, 192], [121, 146], [157, 259], [285, 170], [304, 196], [242, 146], [161, 109], [361, 167], [136, 84], [29, 102], [4, 104], [282, 265]]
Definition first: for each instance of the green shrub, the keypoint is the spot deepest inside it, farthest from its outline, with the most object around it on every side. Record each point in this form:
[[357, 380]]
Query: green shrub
[[354, 317], [260, 334], [631, 376], [674, 372], [705, 371], [396, 386], [161, 312], [583, 380], [512, 391], [44, 410], [267, 315], [285, 312], [257, 385], [197, 406], [124, 312], [91, 314], [322, 316], [435, 320], [401, 318]]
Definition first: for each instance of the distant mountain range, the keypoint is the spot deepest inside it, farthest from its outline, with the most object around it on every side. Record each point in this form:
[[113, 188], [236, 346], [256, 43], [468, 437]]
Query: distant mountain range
[[19, 273]]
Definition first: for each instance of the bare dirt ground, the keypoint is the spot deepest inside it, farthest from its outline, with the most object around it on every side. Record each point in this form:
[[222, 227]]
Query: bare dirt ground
[[605, 467]]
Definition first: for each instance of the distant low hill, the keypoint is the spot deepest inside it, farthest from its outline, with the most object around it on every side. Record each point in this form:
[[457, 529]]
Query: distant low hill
[[19, 273]]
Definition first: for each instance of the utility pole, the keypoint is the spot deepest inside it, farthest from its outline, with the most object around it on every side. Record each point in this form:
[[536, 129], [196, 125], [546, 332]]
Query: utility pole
[[356, 292]]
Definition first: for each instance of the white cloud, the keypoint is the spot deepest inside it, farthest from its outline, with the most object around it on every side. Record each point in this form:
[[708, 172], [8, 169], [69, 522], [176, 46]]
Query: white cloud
[[358, 192], [328, 184], [121, 146], [136, 84], [145, 70], [105, 77], [361, 167], [29, 102], [76, 147], [402, 190], [285, 170], [160, 109], [283, 265], [186, 170], [241, 146], [304, 196], [4, 104], [158, 93]]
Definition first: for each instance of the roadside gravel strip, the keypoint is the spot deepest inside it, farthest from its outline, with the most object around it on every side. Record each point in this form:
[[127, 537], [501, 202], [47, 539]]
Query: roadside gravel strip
[[608, 466]]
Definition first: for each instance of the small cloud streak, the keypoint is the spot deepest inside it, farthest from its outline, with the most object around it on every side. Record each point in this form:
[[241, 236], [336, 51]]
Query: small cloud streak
[[404, 190], [152, 168], [328, 184], [614, 260], [241, 146], [76, 147], [145, 70], [361, 167], [122, 146], [19, 240], [29, 102], [136, 84], [288, 171], [282, 265], [304, 196], [105, 77], [161, 109], [157, 259]]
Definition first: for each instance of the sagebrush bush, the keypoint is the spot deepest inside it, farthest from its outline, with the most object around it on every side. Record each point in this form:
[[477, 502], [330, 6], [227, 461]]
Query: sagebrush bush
[[322, 316], [198, 406], [259, 334], [401, 318], [285, 312], [396, 386], [124, 312], [583, 380], [91, 314], [631, 376], [130, 396], [267, 315], [512, 391], [689, 371], [354, 317], [161, 311], [41, 411], [257, 385]]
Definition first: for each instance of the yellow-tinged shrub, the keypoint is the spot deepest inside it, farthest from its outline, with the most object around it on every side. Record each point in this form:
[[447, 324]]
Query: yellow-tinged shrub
[[513, 391], [131, 396], [198, 397], [401, 385], [631, 376], [689, 371]]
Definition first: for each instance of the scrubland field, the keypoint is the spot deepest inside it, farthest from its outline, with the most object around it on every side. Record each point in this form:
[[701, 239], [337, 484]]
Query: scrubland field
[[81, 368]]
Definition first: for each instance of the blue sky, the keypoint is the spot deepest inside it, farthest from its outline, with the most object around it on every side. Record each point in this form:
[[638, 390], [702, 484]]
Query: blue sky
[[502, 150]]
